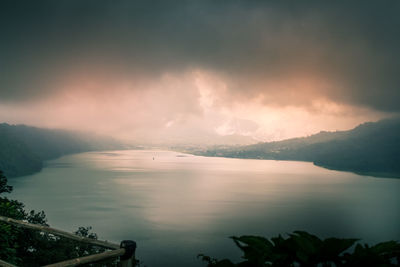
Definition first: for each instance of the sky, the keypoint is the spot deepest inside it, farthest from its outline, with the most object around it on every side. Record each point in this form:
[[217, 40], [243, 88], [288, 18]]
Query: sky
[[199, 71]]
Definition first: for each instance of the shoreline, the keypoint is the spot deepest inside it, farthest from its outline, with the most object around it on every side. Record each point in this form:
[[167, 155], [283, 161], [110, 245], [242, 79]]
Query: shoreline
[[361, 173]]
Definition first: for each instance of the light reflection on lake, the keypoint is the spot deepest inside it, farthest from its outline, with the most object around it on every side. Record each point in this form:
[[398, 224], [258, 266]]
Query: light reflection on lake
[[176, 206]]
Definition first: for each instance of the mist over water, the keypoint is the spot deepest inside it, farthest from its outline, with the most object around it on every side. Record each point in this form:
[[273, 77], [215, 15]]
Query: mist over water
[[176, 206], [211, 77]]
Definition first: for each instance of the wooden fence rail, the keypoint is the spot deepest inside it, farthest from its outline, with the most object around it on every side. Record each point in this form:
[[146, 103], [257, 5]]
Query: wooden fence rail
[[90, 258], [126, 250], [6, 264]]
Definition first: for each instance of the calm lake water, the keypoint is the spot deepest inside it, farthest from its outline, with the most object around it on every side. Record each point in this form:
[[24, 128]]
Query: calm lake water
[[176, 205]]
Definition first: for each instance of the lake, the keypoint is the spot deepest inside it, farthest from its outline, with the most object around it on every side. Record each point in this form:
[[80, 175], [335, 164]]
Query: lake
[[176, 206]]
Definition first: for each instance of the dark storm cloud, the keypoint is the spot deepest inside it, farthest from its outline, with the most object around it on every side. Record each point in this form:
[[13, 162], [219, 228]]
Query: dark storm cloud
[[354, 47]]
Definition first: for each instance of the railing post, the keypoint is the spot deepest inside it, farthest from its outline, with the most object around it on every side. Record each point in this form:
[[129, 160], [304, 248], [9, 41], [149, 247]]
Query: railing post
[[128, 259]]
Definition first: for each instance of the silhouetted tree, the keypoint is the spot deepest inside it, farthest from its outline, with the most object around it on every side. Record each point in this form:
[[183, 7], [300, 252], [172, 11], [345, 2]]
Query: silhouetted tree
[[4, 188], [25, 247]]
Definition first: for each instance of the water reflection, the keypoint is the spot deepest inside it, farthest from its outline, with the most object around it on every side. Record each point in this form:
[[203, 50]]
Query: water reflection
[[178, 205]]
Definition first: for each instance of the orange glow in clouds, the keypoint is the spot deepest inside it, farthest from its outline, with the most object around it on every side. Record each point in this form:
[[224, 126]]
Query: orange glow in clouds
[[188, 107]]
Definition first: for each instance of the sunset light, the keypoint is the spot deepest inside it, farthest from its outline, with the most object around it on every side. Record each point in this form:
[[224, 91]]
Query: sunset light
[[204, 133]]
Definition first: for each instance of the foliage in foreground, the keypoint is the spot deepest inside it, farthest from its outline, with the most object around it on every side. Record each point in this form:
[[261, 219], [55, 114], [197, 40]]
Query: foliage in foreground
[[25, 247], [304, 249]]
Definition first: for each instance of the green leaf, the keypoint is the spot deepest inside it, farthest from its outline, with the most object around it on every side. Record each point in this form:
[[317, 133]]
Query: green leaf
[[307, 246], [257, 250], [332, 247], [386, 247]]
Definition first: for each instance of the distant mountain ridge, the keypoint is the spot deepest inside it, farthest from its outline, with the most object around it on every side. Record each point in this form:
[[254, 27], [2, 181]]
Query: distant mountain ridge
[[371, 148], [23, 148]]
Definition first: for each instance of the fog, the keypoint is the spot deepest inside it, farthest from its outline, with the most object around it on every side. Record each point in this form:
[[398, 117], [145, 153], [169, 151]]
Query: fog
[[198, 72]]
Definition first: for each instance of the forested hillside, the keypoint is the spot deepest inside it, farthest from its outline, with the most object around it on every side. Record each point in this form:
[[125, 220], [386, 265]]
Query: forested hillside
[[23, 149], [371, 148]]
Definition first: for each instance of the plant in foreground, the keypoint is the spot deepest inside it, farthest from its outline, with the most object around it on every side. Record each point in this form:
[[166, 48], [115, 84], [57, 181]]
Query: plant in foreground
[[303, 249], [25, 247]]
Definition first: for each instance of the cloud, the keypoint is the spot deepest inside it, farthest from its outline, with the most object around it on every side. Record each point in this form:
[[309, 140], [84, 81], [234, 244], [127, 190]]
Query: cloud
[[177, 62], [351, 49], [193, 107]]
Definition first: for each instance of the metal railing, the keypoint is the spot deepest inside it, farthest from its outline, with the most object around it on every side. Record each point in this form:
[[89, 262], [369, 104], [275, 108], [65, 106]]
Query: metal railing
[[126, 250]]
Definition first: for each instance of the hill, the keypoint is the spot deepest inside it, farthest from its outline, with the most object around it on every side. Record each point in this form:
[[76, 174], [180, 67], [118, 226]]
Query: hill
[[23, 149], [372, 148]]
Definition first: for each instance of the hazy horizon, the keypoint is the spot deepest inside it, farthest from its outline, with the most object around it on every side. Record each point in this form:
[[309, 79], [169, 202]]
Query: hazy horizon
[[198, 141], [158, 122], [198, 71]]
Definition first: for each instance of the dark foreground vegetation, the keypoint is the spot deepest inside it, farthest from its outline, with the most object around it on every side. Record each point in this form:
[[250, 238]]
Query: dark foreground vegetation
[[23, 149], [370, 149], [304, 249], [24, 247]]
